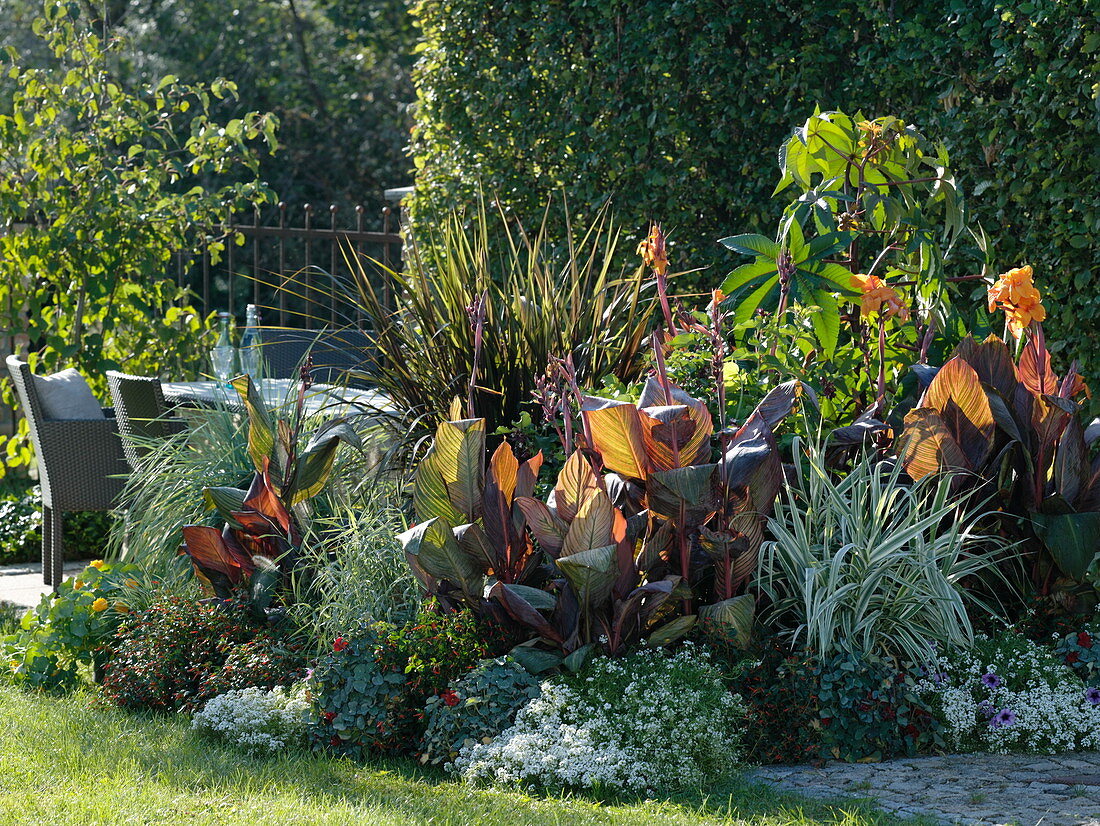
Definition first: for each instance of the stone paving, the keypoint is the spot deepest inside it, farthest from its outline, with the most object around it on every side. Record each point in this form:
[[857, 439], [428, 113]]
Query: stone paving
[[1062, 790], [21, 585]]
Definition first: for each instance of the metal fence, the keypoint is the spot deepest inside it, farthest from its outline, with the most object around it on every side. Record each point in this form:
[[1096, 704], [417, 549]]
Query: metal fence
[[297, 264]]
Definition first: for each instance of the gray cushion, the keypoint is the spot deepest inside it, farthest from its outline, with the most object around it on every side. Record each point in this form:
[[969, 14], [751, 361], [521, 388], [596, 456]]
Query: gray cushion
[[66, 395]]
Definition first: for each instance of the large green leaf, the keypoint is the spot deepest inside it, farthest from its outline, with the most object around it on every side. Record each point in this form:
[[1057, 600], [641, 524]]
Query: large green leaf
[[430, 495], [591, 573], [1073, 540], [672, 631], [460, 459], [690, 491], [261, 425], [435, 548], [826, 323], [315, 462], [751, 245], [733, 617], [748, 273]]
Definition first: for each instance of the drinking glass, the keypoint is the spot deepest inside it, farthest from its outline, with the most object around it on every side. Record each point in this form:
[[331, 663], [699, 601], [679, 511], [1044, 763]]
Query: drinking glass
[[221, 358]]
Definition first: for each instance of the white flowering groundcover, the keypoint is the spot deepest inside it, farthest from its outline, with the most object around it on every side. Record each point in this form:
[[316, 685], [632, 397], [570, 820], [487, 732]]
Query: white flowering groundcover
[[643, 723], [1012, 695], [256, 719]]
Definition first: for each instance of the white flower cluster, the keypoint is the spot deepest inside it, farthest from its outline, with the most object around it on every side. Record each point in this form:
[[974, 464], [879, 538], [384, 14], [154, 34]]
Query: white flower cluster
[[646, 722], [257, 719], [1014, 698]]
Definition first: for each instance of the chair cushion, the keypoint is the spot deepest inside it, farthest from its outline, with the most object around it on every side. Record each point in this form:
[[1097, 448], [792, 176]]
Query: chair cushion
[[66, 395]]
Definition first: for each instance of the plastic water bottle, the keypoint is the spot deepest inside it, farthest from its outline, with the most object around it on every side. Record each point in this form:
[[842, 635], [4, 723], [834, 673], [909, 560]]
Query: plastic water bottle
[[252, 360]]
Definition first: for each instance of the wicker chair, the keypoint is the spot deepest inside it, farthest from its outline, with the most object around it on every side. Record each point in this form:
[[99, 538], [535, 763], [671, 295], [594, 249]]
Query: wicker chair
[[80, 466], [141, 412], [337, 354]]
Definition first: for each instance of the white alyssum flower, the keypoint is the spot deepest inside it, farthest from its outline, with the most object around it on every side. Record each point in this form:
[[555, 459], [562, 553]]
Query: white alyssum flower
[[644, 722], [1013, 697], [257, 719]]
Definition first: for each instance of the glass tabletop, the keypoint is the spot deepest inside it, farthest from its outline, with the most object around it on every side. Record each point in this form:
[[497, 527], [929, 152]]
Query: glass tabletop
[[279, 393]]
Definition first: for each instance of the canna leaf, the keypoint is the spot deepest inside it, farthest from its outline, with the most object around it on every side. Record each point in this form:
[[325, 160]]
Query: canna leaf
[[591, 573], [261, 426], [733, 617], [927, 445], [547, 528], [593, 526], [617, 435], [436, 550], [575, 484], [957, 395], [460, 459]]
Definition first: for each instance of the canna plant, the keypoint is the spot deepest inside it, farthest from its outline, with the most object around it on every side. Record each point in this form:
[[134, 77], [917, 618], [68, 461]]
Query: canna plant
[[262, 536], [1013, 430], [641, 519]]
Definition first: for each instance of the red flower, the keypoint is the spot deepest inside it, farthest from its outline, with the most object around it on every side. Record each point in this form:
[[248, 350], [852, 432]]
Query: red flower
[[329, 716], [449, 697], [1072, 657], [334, 742], [1084, 640], [340, 644]]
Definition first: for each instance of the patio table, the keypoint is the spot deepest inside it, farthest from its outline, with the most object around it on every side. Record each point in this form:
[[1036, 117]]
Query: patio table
[[276, 393]]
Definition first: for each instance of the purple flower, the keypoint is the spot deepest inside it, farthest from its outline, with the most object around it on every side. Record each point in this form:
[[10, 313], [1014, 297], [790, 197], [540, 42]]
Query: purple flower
[[991, 680], [1003, 719], [985, 708], [1093, 696]]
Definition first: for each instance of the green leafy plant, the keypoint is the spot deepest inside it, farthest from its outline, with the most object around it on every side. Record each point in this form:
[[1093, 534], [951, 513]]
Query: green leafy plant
[[871, 711], [532, 298], [100, 187], [73, 626], [262, 536], [178, 653], [874, 215], [475, 708], [1013, 431], [611, 550], [369, 690], [866, 563], [1081, 651]]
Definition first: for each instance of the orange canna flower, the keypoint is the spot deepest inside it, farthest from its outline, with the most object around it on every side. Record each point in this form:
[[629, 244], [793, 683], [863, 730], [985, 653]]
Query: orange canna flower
[[99, 605], [877, 294], [653, 251], [1015, 293]]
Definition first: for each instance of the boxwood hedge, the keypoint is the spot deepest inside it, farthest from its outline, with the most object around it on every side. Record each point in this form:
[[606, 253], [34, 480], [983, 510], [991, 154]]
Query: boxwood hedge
[[674, 108]]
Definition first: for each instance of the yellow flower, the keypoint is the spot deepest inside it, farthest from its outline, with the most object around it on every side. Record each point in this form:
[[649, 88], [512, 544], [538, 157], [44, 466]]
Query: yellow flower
[[1015, 293], [717, 297], [99, 605], [653, 251], [875, 294], [78, 584], [98, 564]]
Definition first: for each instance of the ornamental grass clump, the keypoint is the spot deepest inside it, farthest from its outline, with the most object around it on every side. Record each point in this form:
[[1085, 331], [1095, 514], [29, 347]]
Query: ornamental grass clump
[[865, 562], [1013, 695], [648, 722]]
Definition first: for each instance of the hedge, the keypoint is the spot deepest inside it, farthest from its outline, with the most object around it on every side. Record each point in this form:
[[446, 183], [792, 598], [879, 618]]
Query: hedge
[[675, 108]]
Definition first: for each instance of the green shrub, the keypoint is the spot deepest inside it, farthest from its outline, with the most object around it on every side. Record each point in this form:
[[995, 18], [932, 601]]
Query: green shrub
[[674, 110], [370, 690], [870, 711], [72, 626], [87, 533], [178, 653], [475, 708]]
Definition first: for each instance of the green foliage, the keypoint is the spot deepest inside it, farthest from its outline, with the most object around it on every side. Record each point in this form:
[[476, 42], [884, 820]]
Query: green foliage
[[864, 563], [535, 301], [475, 708], [779, 691], [99, 189], [177, 653], [611, 549], [86, 532], [870, 711], [1081, 651], [369, 691], [674, 111], [72, 626]]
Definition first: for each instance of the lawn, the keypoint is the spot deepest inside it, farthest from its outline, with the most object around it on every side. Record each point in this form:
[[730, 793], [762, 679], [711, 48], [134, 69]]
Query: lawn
[[68, 760]]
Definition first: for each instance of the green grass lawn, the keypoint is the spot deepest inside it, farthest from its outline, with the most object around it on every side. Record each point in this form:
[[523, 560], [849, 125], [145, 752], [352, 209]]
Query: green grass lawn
[[70, 761]]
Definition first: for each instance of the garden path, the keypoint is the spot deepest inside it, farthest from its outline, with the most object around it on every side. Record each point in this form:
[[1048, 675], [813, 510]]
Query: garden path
[[21, 585], [1060, 790]]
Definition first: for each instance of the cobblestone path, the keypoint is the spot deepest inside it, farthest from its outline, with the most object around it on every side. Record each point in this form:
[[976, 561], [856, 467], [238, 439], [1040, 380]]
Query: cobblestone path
[[1062, 790]]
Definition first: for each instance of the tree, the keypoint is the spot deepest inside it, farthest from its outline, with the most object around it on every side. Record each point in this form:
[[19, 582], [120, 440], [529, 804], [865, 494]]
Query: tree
[[98, 188]]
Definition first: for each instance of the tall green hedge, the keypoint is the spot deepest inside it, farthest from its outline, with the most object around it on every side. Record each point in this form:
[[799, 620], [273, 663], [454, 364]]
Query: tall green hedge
[[675, 108]]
